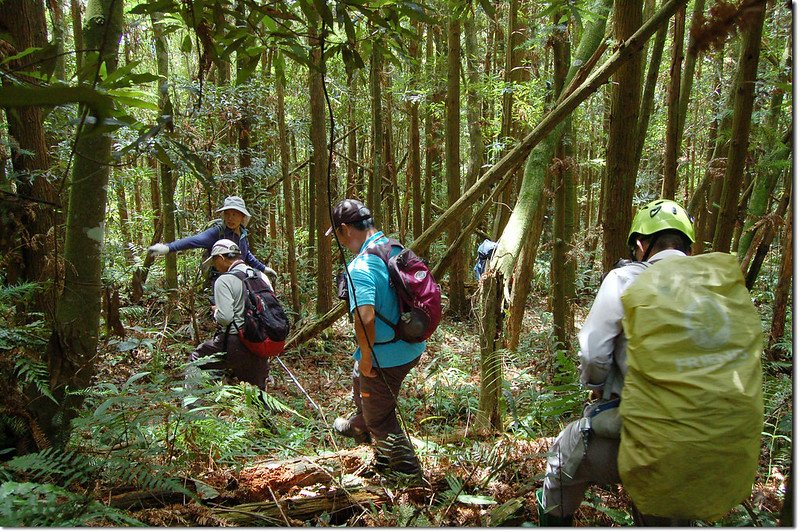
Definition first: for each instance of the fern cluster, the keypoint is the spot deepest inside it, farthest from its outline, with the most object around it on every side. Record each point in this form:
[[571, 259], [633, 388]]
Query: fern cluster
[[26, 504]]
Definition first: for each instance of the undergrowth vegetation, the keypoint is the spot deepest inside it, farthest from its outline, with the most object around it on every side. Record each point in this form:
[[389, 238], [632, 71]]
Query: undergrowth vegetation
[[155, 423]]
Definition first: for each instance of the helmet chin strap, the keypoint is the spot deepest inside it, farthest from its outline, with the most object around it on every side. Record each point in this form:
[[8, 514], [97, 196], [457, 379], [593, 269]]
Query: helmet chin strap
[[649, 249]]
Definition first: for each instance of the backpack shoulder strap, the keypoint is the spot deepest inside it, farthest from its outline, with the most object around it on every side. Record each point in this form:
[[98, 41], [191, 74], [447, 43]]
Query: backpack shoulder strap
[[383, 250]]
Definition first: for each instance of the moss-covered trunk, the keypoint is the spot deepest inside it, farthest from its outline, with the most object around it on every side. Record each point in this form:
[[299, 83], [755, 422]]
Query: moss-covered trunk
[[73, 345]]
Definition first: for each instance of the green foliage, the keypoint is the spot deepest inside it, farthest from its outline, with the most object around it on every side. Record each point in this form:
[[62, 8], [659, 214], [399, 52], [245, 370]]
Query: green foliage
[[26, 504], [36, 373]]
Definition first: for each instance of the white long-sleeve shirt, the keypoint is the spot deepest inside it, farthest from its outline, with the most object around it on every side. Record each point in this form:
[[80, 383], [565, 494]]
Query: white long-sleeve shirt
[[601, 338]]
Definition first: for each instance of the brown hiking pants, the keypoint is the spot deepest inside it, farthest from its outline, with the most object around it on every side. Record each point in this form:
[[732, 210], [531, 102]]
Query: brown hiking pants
[[376, 399]]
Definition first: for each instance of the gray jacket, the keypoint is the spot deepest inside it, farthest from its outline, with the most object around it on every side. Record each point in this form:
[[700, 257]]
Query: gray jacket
[[229, 297]]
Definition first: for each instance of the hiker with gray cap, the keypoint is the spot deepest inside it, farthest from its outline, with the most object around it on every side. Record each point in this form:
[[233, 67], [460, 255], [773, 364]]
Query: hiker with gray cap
[[233, 227], [229, 294]]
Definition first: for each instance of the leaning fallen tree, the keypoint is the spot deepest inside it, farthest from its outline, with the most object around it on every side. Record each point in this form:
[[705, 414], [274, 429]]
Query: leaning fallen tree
[[497, 174]]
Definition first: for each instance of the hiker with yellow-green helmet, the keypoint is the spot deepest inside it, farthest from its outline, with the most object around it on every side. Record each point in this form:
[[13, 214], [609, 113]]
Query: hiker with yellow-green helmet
[[675, 407]]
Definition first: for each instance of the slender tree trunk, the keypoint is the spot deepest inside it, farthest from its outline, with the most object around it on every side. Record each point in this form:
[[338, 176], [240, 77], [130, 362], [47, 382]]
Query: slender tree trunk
[[59, 33], [124, 223], [509, 130], [621, 165], [375, 184], [760, 253], [353, 190], [783, 289], [648, 93], [414, 154], [673, 141], [562, 266], [740, 128], [73, 346], [77, 32], [167, 178], [689, 66], [458, 301], [288, 215], [319, 168]]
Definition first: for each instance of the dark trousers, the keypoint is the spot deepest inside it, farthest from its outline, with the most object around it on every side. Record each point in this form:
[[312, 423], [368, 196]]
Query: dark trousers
[[244, 365], [376, 399]]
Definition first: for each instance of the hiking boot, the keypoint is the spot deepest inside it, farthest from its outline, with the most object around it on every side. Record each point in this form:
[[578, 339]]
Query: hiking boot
[[343, 427], [547, 519]]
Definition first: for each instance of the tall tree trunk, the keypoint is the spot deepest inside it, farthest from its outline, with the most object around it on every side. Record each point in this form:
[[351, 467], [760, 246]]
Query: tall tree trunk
[[509, 129], [59, 34], [740, 129], [375, 182], [288, 215], [353, 188], [414, 155], [77, 32], [673, 140], [73, 346], [621, 165], [458, 301], [687, 79], [245, 65], [766, 181], [649, 91], [36, 221], [319, 168], [783, 289], [167, 179], [562, 265], [124, 223]]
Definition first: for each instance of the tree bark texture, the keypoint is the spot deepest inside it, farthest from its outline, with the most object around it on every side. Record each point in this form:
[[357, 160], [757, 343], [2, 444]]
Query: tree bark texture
[[376, 96], [509, 128], [457, 294], [621, 165], [30, 224], [73, 345], [673, 135], [783, 289], [288, 214], [319, 170], [167, 183], [740, 129]]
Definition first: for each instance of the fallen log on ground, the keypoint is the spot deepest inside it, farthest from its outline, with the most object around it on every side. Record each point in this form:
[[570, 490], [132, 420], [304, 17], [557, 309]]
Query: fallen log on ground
[[262, 480], [306, 505]]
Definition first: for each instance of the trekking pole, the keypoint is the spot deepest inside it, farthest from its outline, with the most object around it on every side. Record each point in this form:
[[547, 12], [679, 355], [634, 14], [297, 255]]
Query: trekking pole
[[297, 383]]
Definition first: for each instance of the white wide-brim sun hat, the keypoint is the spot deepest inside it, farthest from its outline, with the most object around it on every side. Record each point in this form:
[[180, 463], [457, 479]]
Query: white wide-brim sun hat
[[237, 204]]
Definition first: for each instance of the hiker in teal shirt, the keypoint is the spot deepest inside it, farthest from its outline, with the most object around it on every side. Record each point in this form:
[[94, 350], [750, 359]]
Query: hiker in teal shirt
[[381, 362], [371, 279]]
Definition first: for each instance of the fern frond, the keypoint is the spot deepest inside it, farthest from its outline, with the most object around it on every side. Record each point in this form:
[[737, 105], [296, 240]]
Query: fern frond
[[33, 372]]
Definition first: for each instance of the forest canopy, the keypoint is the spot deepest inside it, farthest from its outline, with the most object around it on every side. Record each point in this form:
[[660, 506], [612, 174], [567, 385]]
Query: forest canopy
[[539, 126]]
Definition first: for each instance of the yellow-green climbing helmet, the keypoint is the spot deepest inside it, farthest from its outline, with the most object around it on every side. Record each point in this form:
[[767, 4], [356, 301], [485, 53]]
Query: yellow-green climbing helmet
[[659, 215]]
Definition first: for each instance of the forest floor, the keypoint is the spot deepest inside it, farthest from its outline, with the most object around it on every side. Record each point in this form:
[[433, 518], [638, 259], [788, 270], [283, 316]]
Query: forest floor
[[472, 479]]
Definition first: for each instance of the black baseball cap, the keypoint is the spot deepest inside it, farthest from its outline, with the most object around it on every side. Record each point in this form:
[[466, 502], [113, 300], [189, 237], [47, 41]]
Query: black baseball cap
[[348, 211]]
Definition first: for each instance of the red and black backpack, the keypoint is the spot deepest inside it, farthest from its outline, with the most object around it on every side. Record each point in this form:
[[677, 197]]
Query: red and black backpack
[[265, 323]]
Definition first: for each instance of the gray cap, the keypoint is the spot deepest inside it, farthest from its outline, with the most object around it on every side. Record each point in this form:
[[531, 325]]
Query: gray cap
[[222, 247], [237, 204]]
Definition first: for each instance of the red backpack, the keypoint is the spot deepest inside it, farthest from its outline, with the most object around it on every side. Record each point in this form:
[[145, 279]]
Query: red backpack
[[418, 294], [265, 323]]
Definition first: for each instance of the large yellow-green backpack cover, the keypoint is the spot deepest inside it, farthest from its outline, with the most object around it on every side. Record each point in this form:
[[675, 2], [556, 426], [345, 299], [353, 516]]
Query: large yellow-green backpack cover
[[692, 405]]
